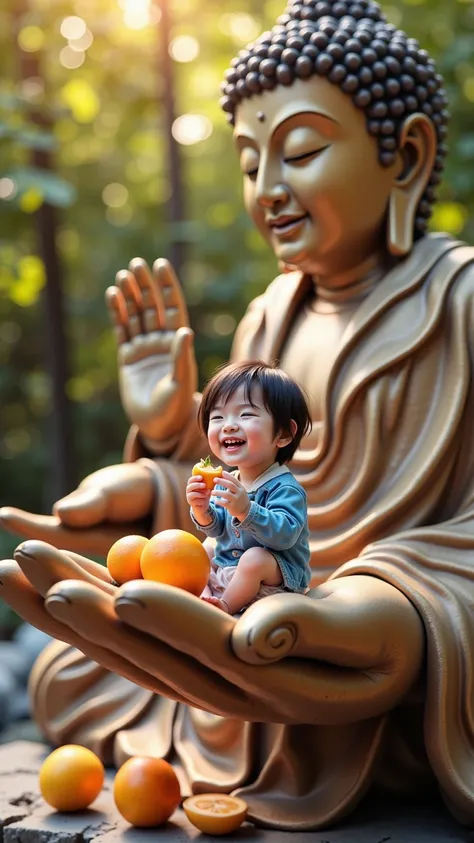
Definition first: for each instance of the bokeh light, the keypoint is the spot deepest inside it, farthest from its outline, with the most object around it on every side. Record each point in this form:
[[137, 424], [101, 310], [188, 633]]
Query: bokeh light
[[73, 27], [450, 217], [184, 48], [10, 332], [83, 43], [223, 324], [240, 26], [191, 128], [119, 216], [71, 59], [31, 200], [7, 188], [137, 14], [31, 39], [32, 89], [81, 98], [115, 195]]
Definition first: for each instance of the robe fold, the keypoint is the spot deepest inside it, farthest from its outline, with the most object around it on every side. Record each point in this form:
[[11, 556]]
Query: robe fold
[[390, 488]]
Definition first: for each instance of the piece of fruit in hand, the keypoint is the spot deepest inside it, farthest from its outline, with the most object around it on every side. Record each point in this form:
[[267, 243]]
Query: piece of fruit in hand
[[207, 471]]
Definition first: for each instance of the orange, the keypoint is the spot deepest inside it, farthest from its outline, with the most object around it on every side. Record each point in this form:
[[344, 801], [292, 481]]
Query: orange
[[71, 778], [146, 791], [215, 813], [176, 558], [123, 558], [207, 471]]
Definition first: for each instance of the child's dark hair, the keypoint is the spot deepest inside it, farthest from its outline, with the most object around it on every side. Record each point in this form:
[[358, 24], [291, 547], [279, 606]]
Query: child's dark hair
[[282, 397]]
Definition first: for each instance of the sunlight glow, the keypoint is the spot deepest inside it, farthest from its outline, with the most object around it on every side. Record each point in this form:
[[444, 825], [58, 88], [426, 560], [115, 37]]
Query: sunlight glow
[[137, 14], [240, 26], [184, 48], [191, 128]]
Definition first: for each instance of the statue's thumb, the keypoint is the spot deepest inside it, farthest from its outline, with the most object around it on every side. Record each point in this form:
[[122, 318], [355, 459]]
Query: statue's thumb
[[83, 508]]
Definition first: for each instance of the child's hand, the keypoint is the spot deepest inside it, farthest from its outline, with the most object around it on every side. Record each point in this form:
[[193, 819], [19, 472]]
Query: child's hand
[[197, 493], [233, 497]]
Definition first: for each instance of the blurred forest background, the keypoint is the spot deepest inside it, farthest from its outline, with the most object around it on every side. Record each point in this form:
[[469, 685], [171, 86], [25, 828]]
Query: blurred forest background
[[84, 93]]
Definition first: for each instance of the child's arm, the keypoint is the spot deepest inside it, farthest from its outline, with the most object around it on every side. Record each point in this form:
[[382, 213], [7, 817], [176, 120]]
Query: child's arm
[[278, 524], [207, 517]]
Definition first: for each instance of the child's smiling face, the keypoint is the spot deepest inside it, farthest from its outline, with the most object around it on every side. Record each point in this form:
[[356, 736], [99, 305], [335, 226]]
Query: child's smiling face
[[243, 434]]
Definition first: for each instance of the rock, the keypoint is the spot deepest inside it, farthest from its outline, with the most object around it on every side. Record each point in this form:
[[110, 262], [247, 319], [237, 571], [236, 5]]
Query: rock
[[32, 641], [20, 707], [8, 689], [19, 794], [16, 659]]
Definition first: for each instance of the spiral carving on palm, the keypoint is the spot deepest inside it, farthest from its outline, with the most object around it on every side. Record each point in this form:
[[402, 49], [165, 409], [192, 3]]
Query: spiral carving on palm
[[263, 635]]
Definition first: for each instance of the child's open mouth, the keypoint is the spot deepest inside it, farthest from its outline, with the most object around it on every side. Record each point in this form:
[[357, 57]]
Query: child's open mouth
[[232, 445]]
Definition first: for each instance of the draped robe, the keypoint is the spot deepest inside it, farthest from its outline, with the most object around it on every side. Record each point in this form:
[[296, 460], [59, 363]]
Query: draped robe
[[390, 490]]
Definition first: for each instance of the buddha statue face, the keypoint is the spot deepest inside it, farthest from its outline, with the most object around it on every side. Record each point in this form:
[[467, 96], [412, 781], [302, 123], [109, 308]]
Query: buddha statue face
[[313, 183], [340, 121]]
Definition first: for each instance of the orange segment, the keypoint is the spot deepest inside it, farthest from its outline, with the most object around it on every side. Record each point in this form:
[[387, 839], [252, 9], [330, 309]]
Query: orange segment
[[207, 471], [215, 813]]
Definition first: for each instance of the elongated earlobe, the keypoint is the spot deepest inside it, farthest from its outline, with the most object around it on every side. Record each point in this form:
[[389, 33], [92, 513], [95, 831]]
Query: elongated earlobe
[[417, 152], [401, 223]]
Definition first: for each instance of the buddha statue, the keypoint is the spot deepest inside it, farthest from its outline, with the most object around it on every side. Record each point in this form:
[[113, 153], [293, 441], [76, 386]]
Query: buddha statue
[[303, 703]]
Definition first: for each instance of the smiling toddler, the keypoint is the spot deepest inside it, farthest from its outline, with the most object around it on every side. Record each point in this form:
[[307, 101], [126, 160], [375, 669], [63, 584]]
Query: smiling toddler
[[254, 416]]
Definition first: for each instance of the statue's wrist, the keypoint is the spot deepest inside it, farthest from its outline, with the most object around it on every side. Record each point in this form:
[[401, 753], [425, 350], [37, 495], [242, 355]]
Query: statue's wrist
[[160, 446]]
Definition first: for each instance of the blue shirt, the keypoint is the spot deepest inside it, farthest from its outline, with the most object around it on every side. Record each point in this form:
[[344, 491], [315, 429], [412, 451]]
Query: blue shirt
[[277, 520]]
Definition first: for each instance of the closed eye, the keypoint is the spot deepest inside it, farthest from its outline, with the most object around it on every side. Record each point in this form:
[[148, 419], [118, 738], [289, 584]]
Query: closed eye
[[305, 156], [251, 174]]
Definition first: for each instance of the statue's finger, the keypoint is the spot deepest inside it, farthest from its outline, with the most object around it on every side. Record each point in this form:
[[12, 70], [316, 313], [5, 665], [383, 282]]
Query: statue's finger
[[291, 691], [19, 593], [153, 303], [176, 311], [115, 302], [85, 507], [127, 284], [182, 354], [91, 613], [198, 636], [95, 568], [25, 600], [45, 565]]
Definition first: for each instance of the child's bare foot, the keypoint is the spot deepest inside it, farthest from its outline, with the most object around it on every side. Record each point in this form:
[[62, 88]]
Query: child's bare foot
[[220, 604]]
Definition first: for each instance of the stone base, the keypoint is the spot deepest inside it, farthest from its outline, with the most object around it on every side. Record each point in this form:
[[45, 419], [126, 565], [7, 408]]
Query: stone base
[[25, 818]]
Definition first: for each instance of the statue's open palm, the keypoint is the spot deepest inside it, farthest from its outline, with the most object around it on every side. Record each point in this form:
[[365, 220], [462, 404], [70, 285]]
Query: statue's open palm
[[157, 366]]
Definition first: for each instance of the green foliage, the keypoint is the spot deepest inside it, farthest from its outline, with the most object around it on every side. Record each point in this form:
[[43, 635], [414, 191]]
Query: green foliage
[[111, 182]]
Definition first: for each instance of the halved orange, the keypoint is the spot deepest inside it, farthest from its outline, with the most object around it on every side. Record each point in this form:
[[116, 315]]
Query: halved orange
[[208, 472], [215, 813]]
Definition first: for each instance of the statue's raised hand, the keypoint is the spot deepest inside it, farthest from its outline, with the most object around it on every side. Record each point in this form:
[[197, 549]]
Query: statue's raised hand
[[157, 366]]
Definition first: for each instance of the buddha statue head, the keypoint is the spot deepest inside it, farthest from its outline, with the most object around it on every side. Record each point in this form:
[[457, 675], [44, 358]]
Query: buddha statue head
[[340, 120]]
